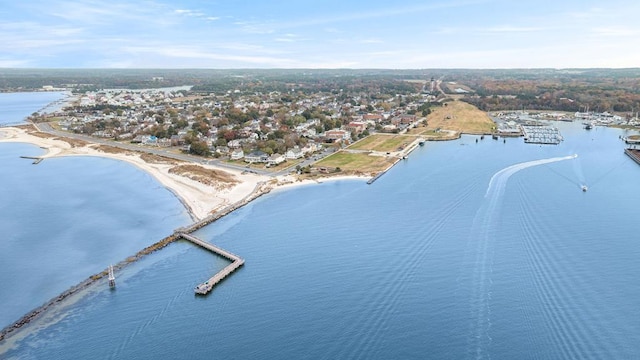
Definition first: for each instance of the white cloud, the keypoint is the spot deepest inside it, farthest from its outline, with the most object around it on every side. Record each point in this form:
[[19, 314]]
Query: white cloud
[[20, 36], [199, 55], [615, 31], [186, 12], [512, 29]]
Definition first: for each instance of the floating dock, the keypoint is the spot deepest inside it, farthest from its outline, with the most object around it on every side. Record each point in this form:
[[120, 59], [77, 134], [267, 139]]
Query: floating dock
[[541, 135], [236, 262], [634, 154]]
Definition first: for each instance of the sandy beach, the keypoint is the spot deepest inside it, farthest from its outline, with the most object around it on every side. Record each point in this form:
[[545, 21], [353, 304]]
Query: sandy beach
[[200, 199]]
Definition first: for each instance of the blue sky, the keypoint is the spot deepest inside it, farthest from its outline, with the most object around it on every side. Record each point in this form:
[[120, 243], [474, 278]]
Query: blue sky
[[319, 34]]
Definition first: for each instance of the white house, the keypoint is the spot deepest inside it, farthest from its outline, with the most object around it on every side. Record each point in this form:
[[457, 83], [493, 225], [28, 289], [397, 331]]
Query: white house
[[237, 154], [294, 153], [234, 144], [276, 159], [256, 157], [311, 147]]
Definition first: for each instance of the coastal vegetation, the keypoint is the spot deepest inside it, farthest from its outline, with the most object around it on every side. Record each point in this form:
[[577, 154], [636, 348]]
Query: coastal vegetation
[[459, 116], [158, 159], [212, 177], [383, 142]]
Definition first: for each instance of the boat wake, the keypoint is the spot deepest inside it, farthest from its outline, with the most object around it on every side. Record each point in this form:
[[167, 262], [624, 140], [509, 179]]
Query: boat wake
[[499, 179], [482, 232]]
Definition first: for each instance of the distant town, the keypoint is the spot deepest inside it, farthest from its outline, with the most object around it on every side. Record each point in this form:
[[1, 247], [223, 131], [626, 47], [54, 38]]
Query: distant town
[[267, 118]]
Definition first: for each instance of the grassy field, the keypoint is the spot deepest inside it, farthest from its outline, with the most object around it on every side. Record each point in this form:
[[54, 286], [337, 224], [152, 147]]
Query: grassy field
[[361, 163], [383, 143], [459, 116], [432, 134]]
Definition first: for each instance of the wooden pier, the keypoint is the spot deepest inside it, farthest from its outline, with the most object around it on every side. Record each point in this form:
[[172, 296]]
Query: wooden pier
[[236, 262], [36, 160], [634, 154]]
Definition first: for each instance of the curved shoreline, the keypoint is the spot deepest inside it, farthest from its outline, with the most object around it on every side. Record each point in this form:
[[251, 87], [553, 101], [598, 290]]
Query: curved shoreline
[[34, 314], [56, 148], [199, 199]]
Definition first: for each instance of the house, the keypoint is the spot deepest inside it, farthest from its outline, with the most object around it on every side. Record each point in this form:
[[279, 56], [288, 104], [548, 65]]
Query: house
[[294, 153], [150, 140], [234, 144], [311, 147], [237, 154], [403, 119], [357, 126], [389, 128], [309, 133], [223, 150], [164, 142], [335, 135], [256, 157], [276, 159], [373, 117]]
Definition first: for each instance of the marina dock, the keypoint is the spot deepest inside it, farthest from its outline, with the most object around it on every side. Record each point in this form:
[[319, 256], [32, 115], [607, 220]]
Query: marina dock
[[541, 135], [236, 262]]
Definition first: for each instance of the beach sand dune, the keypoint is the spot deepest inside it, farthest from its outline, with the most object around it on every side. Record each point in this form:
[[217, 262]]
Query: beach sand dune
[[200, 198]]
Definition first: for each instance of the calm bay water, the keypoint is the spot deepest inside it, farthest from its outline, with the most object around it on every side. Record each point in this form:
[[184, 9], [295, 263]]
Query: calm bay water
[[428, 262], [15, 107], [68, 218]]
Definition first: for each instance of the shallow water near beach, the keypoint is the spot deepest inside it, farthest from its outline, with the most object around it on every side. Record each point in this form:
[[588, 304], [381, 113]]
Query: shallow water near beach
[[448, 255], [68, 218]]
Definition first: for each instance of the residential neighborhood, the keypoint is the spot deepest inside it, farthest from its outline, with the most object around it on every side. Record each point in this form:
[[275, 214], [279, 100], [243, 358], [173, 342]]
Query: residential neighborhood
[[241, 125]]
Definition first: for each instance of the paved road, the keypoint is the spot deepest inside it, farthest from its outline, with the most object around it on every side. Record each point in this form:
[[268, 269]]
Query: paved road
[[46, 127]]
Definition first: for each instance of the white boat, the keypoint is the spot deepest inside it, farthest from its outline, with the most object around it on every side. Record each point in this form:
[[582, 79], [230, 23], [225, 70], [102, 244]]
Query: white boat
[[584, 188]]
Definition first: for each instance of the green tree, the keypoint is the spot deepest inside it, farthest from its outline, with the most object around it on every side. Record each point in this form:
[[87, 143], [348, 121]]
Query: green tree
[[199, 148]]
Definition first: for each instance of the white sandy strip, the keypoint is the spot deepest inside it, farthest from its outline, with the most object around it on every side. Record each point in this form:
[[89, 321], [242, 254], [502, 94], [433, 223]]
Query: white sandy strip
[[286, 182], [200, 199]]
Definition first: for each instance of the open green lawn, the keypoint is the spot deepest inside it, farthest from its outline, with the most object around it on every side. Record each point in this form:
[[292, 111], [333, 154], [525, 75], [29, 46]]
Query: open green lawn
[[383, 143], [460, 116], [355, 162]]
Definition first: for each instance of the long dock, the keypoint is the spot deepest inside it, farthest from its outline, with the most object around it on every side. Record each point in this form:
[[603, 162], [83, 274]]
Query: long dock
[[36, 160], [236, 262]]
